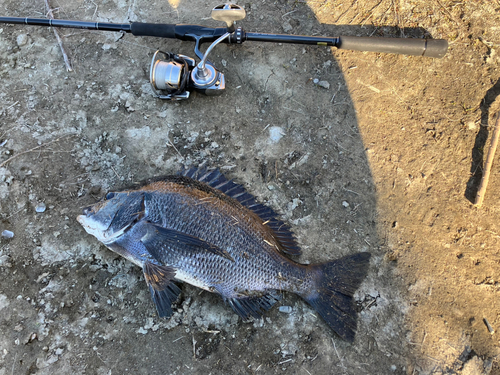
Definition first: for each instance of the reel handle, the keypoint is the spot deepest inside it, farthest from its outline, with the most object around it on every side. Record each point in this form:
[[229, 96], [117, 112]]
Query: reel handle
[[405, 46]]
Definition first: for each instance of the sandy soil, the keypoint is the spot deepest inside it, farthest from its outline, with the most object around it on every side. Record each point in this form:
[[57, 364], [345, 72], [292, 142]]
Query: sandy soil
[[386, 157]]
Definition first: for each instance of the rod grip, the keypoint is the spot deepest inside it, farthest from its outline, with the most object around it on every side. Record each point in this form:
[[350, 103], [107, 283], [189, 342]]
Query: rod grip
[[405, 46], [162, 30]]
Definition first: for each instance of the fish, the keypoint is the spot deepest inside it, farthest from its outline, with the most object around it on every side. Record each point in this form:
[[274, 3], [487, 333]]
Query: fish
[[200, 228]]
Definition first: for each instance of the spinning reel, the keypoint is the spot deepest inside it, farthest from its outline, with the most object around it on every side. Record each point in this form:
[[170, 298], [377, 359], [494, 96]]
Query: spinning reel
[[173, 76]]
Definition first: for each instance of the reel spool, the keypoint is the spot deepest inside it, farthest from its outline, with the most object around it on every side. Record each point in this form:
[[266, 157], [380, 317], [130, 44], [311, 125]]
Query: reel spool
[[172, 76], [169, 75]]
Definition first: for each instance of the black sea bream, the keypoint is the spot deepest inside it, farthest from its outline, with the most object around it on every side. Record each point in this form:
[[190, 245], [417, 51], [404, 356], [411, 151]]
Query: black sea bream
[[202, 229]]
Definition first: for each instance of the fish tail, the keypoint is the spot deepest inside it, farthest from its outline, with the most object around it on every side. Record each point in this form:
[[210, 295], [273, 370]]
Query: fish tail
[[332, 296]]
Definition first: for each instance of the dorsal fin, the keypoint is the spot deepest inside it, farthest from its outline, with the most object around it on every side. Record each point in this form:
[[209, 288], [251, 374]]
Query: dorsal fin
[[214, 178]]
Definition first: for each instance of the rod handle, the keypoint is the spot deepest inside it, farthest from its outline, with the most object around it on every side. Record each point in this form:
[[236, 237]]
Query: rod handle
[[162, 30], [405, 46]]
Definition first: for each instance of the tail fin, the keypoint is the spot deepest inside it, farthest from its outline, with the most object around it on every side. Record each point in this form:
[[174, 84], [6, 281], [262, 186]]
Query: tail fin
[[336, 283]]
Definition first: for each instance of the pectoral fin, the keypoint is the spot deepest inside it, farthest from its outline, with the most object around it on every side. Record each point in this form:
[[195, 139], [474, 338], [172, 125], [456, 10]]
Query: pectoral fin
[[163, 290], [158, 236]]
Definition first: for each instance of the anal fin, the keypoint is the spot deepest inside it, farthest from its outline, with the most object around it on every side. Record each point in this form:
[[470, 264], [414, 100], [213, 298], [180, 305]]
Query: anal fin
[[163, 290], [252, 306]]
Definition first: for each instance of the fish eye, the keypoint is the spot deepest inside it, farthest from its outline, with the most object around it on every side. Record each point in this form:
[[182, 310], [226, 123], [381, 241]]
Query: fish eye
[[110, 196]]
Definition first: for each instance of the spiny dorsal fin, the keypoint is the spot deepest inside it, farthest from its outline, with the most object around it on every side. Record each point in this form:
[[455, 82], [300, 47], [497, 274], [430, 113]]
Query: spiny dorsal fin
[[215, 179], [163, 291], [157, 236]]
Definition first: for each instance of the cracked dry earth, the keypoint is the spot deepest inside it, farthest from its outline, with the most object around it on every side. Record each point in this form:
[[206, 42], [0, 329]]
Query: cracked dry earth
[[357, 151]]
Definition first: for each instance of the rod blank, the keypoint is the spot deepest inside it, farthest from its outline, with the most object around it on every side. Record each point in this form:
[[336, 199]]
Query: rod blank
[[104, 26]]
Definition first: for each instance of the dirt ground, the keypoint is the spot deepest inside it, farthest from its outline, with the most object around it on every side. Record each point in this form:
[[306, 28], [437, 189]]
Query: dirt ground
[[358, 151]]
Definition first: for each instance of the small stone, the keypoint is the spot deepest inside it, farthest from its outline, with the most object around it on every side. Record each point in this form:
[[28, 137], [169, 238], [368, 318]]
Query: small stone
[[40, 207], [52, 359], [324, 84], [315, 81], [95, 190], [275, 134], [345, 204], [107, 46], [7, 234], [472, 125], [393, 368], [285, 309], [22, 40], [287, 27]]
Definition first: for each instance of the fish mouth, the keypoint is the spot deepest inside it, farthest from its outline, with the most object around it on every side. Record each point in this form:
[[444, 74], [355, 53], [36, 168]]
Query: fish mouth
[[86, 210], [92, 227], [85, 213]]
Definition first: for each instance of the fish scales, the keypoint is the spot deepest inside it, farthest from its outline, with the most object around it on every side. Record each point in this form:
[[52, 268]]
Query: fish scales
[[188, 207], [214, 222], [205, 230]]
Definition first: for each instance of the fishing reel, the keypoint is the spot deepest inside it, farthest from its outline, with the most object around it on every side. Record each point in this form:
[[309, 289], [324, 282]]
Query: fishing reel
[[173, 76]]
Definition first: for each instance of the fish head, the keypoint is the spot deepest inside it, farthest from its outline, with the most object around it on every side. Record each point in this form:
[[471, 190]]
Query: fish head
[[110, 218]]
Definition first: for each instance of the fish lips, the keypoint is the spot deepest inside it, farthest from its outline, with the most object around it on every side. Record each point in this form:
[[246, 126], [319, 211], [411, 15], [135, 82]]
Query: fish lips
[[97, 228], [85, 211]]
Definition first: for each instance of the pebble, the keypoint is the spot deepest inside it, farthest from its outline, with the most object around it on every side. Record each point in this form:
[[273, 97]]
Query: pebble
[[7, 234], [286, 309], [22, 39], [345, 204], [324, 84], [40, 207], [287, 27], [275, 134]]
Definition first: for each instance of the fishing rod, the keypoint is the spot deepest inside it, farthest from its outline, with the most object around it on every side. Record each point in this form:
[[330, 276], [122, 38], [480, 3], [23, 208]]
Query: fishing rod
[[174, 76]]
